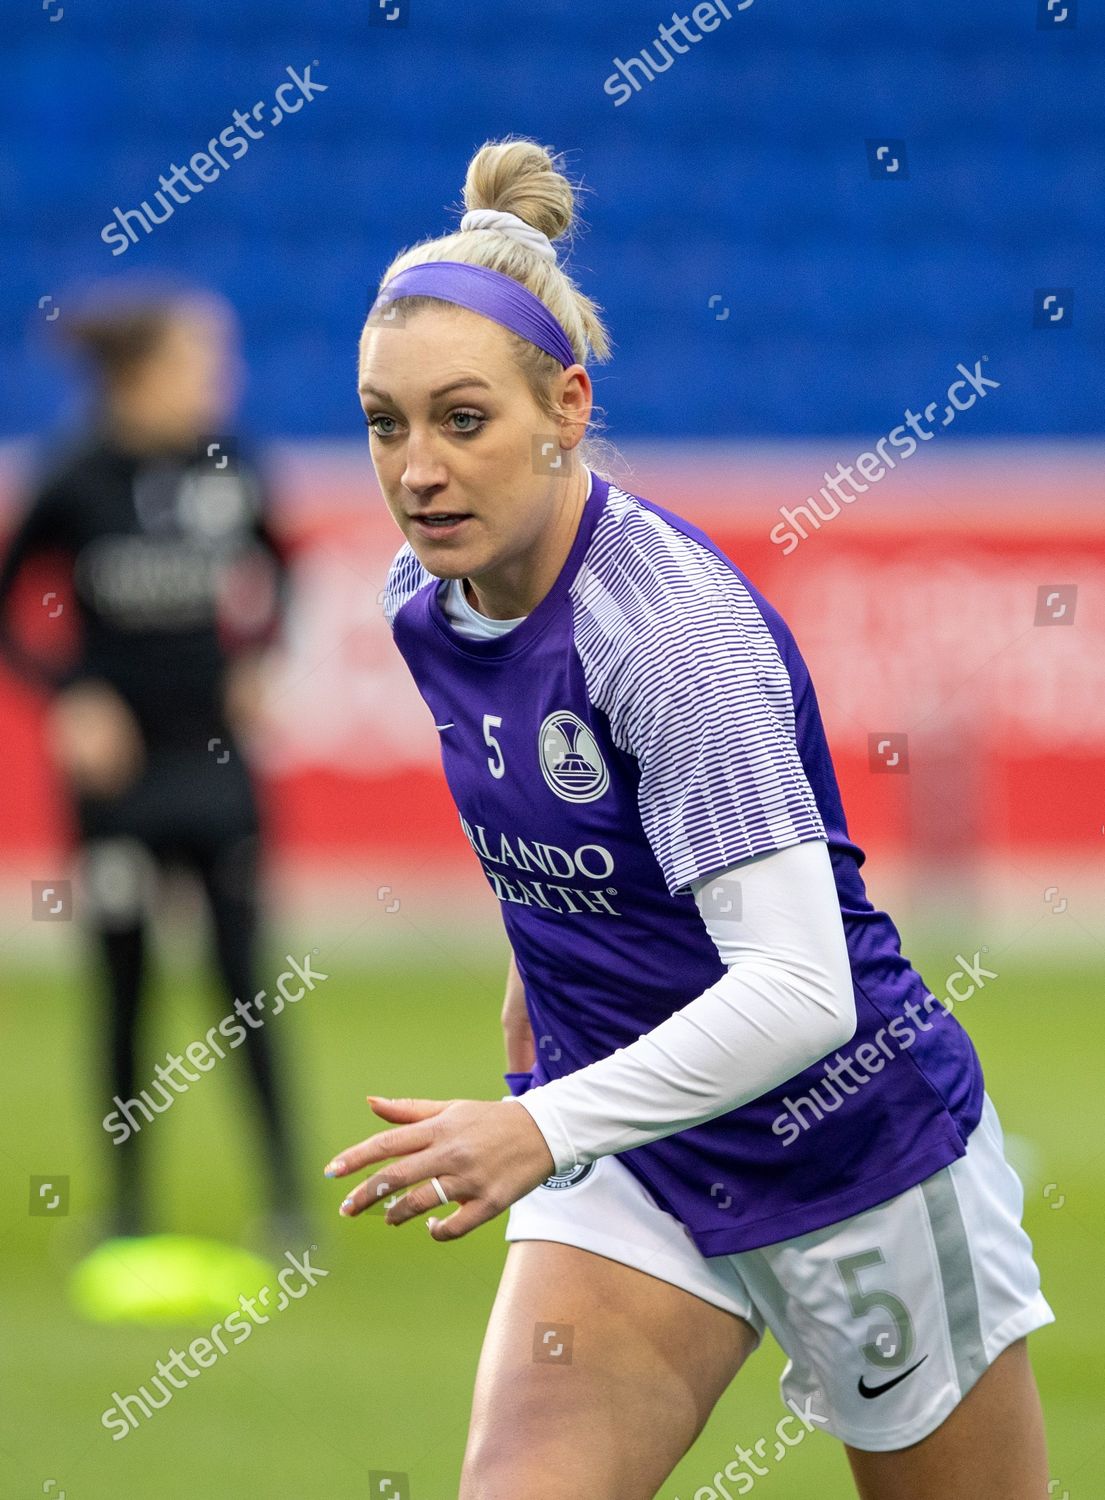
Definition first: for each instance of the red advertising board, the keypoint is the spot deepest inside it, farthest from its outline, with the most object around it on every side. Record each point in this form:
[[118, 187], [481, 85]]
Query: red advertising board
[[953, 619]]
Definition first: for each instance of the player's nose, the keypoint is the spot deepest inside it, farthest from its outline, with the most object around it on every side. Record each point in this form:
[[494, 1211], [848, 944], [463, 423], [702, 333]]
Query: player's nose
[[424, 471]]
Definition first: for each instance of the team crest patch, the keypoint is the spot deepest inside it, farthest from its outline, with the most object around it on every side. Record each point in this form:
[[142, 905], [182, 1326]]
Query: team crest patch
[[569, 1179], [571, 762]]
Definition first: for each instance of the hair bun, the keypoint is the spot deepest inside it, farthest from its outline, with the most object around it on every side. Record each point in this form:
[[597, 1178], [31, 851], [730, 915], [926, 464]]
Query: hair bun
[[518, 176]]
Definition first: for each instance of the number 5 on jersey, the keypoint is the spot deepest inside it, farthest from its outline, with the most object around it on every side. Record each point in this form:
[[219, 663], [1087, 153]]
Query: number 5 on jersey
[[495, 763]]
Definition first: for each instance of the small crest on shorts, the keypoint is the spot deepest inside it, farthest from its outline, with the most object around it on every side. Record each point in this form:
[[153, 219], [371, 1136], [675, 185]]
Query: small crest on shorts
[[570, 1178]]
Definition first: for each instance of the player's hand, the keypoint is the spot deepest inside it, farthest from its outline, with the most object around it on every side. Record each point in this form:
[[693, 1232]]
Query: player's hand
[[95, 739], [485, 1154]]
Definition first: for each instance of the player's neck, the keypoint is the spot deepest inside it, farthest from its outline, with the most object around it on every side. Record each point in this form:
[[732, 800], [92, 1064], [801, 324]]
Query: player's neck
[[517, 588], [134, 433]]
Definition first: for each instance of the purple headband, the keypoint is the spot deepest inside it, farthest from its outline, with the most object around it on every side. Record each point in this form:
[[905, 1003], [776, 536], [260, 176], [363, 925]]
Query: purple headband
[[489, 292]]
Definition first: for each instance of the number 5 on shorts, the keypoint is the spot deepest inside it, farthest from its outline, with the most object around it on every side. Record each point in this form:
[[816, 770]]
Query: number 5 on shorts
[[897, 1348]]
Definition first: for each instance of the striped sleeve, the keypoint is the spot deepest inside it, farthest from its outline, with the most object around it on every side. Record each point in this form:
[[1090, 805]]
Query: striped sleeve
[[678, 656], [405, 577]]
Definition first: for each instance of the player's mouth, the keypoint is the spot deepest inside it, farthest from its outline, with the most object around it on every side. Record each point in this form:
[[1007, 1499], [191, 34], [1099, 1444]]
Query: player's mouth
[[440, 523]]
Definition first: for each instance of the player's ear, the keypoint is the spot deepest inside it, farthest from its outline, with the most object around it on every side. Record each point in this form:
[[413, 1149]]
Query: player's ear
[[574, 404]]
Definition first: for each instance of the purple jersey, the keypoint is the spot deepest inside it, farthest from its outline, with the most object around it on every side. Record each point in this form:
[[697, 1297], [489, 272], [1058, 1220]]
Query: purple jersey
[[651, 722]]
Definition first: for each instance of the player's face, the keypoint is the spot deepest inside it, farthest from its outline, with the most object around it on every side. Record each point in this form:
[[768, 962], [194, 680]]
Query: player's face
[[467, 454], [207, 372], [187, 385]]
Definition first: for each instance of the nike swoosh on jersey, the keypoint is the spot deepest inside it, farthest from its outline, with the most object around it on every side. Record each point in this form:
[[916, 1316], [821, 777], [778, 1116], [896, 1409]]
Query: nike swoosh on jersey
[[871, 1391], [444, 726]]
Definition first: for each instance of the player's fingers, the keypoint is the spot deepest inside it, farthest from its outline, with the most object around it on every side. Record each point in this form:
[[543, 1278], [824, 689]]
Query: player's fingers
[[364, 1196], [390, 1180], [398, 1142], [416, 1202], [407, 1109], [468, 1217]]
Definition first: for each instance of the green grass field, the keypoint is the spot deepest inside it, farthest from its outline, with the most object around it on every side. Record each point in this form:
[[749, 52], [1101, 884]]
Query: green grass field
[[373, 1369]]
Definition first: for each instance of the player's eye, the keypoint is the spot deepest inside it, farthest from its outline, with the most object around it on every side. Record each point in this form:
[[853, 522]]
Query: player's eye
[[470, 422], [475, 419]]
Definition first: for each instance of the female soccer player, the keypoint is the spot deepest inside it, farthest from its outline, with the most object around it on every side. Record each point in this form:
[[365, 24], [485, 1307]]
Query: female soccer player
[[635, 750], [159, 530]]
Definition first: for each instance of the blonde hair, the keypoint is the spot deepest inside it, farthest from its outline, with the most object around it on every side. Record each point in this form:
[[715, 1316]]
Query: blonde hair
[[516, 175]]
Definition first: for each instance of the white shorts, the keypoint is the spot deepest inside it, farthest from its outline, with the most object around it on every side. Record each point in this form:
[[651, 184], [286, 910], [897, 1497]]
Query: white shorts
[[887, 1318]]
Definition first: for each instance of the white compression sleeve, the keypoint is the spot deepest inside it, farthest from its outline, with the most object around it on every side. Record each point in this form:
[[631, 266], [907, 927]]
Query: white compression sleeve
[[786, 1000]]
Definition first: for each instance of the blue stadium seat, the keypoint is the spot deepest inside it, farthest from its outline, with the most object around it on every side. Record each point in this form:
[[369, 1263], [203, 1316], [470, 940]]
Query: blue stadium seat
[[739, 174]]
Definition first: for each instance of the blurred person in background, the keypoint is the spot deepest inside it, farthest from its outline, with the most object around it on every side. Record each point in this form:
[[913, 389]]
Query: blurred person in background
[[178, 587]]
